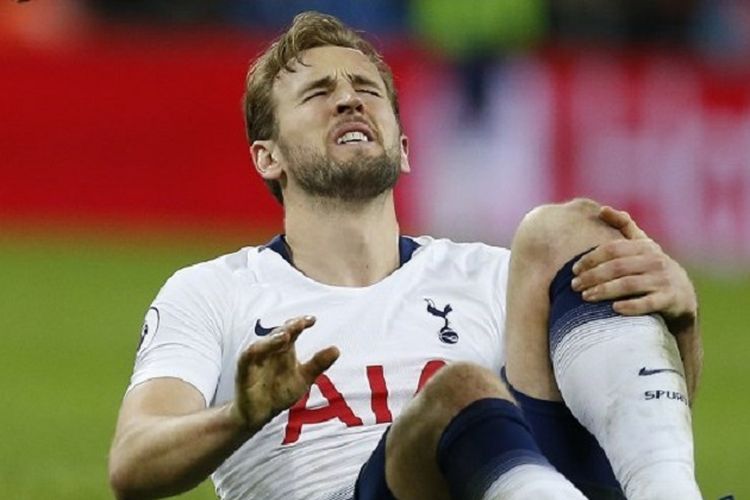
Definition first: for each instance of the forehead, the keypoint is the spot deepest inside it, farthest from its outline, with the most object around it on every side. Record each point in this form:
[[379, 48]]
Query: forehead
[[336, 62]]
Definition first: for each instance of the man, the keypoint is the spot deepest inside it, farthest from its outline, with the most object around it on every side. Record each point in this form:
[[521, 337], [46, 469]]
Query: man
[[290, 370]]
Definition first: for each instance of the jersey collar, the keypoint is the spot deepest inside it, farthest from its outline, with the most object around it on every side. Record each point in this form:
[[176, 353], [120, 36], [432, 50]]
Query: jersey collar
[[406, 248]]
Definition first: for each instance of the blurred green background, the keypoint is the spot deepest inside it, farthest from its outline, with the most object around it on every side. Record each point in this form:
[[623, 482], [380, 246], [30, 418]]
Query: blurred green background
[[71, 312]]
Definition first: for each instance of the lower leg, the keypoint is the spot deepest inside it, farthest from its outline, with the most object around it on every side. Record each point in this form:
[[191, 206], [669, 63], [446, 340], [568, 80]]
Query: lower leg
[[623, 379], [546, 239], [488, 452], [461, 437]]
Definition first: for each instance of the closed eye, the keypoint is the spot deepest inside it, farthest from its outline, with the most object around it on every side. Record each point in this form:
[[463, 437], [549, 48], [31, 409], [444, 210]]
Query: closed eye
[[314, 94], [370, 91]]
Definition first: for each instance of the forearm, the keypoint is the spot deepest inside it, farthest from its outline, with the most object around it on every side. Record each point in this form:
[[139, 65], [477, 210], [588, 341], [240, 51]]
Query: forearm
[[159, 456], [690, 345]]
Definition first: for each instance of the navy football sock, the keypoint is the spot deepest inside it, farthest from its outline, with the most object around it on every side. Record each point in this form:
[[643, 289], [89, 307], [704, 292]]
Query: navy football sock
[[485, 440]]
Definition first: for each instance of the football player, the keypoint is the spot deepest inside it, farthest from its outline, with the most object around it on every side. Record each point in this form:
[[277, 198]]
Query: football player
[[344, 359]]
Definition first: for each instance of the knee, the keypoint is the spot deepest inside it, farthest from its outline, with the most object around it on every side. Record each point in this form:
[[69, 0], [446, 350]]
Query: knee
[[554, 233], [459, 384], [451, 389], [545, 224], [412, 442]]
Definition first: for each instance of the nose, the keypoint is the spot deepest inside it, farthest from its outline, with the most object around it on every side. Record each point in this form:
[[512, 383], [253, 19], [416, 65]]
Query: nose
[[349, 102]]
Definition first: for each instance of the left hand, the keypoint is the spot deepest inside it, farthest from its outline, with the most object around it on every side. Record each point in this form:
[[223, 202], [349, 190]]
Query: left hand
[[635, 273]]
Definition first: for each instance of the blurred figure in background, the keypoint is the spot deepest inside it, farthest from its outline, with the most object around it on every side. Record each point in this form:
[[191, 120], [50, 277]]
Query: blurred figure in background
[[476, 36], [42, 23], [160, 12], [377, 17], [722, 30], [620, 22]]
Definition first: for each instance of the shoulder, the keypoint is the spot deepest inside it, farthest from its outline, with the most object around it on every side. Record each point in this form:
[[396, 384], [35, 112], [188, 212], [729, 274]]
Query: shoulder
[[477, 253], [211, 277]]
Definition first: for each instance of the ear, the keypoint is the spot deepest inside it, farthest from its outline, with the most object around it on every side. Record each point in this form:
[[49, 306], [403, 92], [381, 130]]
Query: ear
[[265, 158], [405, 167]]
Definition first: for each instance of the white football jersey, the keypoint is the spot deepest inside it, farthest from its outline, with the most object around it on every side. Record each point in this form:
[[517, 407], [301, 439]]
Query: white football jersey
[[446, 303]]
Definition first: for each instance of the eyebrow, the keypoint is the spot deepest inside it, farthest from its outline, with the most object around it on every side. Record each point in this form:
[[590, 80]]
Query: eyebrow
[[357, 79], [325, 82], [328, 82]]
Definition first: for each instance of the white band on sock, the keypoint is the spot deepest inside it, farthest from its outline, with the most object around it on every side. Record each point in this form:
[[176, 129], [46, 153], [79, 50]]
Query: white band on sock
[[527, 481]]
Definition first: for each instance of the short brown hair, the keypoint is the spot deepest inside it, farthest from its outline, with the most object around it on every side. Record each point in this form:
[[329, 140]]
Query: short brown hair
[[308, 30]]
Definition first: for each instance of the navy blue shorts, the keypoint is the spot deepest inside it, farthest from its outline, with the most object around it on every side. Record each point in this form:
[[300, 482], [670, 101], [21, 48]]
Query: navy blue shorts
[[371, 484]]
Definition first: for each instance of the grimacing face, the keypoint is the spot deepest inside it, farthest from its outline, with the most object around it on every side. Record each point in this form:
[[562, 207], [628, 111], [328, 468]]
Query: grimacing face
[[338, 135]]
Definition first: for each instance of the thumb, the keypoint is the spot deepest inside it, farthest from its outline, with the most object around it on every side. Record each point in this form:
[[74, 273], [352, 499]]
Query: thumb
[[621, 220]]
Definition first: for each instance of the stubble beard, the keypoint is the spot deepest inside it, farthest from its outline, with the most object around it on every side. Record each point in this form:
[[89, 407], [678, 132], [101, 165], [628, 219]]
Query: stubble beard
[[358, 179]]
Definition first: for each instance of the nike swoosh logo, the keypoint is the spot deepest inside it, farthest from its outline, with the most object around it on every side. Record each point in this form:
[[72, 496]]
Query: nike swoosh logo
[[645, 372], [261, 330]]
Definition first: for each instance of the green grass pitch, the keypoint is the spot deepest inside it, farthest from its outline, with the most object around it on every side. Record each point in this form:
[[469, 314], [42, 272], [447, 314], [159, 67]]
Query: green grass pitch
[[71, 312]]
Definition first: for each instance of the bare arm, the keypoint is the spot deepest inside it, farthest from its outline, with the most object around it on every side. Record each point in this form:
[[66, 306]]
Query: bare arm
[[690, 343], [167, 442]]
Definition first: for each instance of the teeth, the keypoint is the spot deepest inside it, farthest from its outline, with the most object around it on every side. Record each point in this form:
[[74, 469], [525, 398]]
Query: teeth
[[352, 137]]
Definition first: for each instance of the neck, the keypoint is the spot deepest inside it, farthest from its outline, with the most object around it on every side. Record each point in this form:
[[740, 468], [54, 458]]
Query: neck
[[343, 244]]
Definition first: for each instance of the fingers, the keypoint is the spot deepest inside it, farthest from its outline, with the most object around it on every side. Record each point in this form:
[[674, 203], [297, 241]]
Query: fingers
[[621, 221], [280, 340], [646, 304], [631, 266], [612, 251], [320, 362], [282, 337], [635, 271], [298, 325], [624, 287]]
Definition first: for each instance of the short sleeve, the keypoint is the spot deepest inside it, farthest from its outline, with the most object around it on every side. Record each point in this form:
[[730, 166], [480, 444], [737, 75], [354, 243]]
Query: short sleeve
[[501, 294], [182, 331], [500, 260]]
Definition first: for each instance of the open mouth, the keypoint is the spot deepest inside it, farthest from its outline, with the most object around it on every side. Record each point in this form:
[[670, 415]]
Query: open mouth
[[353, 133], [354, 137]]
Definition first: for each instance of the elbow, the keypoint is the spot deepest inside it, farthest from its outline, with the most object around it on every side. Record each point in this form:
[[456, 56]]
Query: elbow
[[130, 479], [121, 480]]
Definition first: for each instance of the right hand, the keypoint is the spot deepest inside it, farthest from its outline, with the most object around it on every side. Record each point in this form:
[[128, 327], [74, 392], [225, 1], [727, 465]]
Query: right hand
[[269, 376]]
